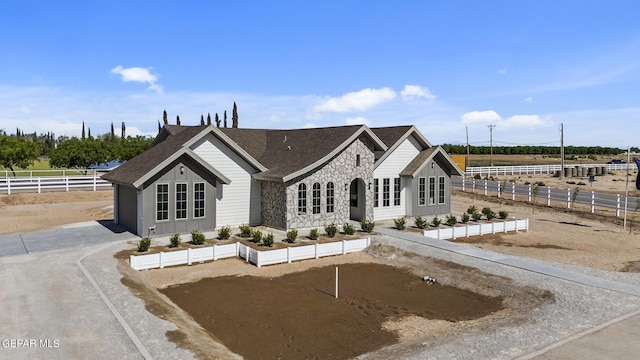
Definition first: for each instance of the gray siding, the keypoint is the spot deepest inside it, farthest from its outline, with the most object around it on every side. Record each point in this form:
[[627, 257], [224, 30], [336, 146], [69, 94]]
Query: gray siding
[[435, 209], [171, 175], [127, 208]]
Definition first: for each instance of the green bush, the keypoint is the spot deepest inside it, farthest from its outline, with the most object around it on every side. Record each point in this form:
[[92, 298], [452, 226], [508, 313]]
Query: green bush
[[451, 220], [465, 218], [313, 234], [256, 236], [245, 231], [291, 236], [435, 222], [348, 229], [268, 240], [224, 233], [367, 226], [476, 216], [175, 240], [488, 213], [503, 214], [581, 183], [421, 223], [197, 238], [331, 230], [472, 209], [399, 223], [144, 244]]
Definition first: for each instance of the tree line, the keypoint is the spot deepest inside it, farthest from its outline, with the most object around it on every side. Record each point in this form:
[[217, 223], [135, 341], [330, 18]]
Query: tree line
[[534, 150]]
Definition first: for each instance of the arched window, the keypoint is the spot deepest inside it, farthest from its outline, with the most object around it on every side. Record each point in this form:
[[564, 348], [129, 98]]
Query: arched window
[[302, 199], [330, 197], [315, 198]]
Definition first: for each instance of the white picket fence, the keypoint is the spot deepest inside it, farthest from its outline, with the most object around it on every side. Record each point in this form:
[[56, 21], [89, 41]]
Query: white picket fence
[[256, 257], [10, 185], [467, 230]]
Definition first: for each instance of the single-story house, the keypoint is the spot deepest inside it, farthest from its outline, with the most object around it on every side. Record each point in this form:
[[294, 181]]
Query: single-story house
[[204, 177]]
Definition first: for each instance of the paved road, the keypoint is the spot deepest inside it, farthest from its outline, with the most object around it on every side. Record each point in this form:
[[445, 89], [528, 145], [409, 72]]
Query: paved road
[[69, 236]]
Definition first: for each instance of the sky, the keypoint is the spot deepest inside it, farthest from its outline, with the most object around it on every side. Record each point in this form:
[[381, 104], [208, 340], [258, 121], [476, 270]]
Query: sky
[[446, 66]]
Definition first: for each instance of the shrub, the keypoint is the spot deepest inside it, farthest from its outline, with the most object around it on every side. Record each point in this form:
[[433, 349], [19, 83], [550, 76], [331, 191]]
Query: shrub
[[367, 226], [245, 231], [451, 220], [197, 238], [175, 240], [144, 244], [581, 183], [472, 209], [503, 214], [331, 230], [256, 236], [348, 229], [421, 223], [291, 236], [488, 213], [224, 233], [477, 177], [268, 240], [465, 218], [571, 182], [476, 216], [436, 221], [313, 234], [399, 223]]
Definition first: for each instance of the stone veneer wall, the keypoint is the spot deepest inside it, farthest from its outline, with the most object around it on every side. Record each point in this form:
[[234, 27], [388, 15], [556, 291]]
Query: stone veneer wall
[[274, 206], [340, 170]]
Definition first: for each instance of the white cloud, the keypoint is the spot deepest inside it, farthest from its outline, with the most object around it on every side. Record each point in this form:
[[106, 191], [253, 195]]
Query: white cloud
[[411, 92], [474, 117], [138, 74], [503, 71], [523, 121], [356, 101], [309, 126], [528, 99], [357, 121]]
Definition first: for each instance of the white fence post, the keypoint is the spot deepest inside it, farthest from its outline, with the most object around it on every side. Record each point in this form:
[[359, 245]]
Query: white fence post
[[485, 188], [189, 256], [474, 185], [618, 206], [316, 250], [39, 189], [548, 195], [498, 189], [344, 247], [8, 186], [593, 202], [66, 181], [568, 198], [463, 179], [95, 180], [213, 249], [513, 191], [132, 261], [160, 258], [529, 198], [289, 255]]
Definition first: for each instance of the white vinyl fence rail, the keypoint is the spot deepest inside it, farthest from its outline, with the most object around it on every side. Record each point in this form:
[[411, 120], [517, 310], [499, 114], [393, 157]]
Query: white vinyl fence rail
[[39, 184], [256, 257], [467, 230], [540, 169]]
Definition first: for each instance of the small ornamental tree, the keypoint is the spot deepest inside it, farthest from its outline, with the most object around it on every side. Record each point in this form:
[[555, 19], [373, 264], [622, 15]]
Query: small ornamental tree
[[399, 223], [451, 220]]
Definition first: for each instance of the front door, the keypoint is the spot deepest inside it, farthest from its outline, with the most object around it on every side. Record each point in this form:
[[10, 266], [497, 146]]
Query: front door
[[357, 200]]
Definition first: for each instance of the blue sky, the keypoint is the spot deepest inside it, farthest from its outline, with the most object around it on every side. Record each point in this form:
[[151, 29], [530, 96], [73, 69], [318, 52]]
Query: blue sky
[[525, 66]]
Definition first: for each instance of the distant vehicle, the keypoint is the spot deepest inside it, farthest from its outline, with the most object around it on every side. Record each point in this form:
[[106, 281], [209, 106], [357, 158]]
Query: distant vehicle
[[615, 161]]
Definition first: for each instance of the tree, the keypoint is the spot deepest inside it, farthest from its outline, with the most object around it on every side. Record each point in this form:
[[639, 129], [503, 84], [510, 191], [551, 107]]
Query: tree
[[83, 136], [225, 118], [131, 147], [208, 118], [201, 119], [122, 132], [17, 152], [178, 120], [164, 117], [234, 116], [159, 127], [80, 154], [89, 133], [112, 137], [217, 120]]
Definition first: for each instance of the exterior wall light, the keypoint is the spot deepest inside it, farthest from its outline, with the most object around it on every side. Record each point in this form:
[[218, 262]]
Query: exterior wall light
[[181, 170]]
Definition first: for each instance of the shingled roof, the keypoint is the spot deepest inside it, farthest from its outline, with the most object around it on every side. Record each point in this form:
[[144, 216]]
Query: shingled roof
[[423, 157]]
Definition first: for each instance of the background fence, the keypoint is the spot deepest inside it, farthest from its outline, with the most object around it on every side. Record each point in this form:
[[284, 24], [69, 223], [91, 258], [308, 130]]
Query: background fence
[[546, 169], [256, 257], [66, 181]]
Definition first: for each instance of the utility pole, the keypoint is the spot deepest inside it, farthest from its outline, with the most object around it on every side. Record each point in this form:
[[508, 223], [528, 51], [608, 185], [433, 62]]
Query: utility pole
[[491, 127], [561, 150], [466, 160]]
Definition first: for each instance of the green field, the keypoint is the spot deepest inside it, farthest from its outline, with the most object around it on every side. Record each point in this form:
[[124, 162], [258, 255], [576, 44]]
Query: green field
[[40, 167]]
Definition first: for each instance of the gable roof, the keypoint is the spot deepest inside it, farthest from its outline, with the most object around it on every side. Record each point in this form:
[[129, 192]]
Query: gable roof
[[140, 168], [425, 156], [290, 153], [393, 137]]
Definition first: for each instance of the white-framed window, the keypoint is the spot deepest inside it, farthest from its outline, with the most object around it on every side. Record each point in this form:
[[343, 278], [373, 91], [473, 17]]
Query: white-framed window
[[315, 199], [432, 190], [302, 199], [422, 191], [441, 186], [198, 200], [376, 194], [396, 191], [162, 202], [330, 197], [385, 192], [181, 201]]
